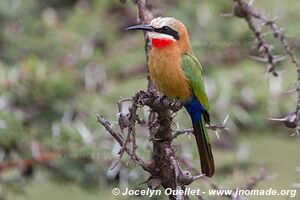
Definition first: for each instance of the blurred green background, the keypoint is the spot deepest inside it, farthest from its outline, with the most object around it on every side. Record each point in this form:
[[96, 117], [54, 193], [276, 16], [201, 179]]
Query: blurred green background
[[62, 62]]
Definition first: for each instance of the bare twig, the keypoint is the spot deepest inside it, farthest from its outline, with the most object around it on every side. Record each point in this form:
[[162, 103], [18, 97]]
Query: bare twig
[[210, 126], [191, 130], [116, 135]]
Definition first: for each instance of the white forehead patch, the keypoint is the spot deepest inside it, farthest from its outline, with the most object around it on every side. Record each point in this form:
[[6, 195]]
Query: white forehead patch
[[159, 22], [162, 21]]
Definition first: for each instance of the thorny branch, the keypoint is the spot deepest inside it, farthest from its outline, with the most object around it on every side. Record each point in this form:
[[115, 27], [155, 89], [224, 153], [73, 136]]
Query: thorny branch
[[117, 136], [164, 168], [163, 153], [244, 10]]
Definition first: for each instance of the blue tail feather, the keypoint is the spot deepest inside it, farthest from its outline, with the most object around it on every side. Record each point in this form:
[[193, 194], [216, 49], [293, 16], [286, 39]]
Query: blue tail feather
[[199, 116], [194, 108]]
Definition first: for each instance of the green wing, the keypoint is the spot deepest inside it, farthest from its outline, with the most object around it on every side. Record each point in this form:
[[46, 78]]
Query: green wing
[[193, 71]]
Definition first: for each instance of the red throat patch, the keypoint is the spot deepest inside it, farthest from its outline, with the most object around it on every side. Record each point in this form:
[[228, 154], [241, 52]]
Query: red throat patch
[[161, 42]]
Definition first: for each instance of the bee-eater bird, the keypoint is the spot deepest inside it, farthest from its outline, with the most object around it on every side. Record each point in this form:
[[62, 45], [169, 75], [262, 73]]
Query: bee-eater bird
[[177, 73]]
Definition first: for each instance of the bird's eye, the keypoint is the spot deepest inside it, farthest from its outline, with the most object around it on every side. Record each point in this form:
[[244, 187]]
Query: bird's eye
[[165, 28]]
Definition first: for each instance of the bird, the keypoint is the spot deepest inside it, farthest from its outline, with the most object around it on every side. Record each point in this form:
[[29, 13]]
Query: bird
[[177, 73]]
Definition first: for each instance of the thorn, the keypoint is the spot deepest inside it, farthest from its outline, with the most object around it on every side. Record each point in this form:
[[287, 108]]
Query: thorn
[[259, 59], [289, 120], [198, 176], [228, 130], [278, 58], [260, 48], [226, 15], [177, 126], [293, 134], [226, 119], [276, 119], [266, 33], [217, 134]]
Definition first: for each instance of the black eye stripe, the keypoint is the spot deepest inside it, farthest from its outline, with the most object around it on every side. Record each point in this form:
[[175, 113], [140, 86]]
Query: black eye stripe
[[168, 30]]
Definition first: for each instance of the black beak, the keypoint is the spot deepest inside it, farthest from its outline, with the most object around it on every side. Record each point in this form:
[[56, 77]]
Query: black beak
[[144, 27]]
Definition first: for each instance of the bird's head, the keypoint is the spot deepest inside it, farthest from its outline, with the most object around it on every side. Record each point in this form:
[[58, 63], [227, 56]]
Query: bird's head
[[164, 31]]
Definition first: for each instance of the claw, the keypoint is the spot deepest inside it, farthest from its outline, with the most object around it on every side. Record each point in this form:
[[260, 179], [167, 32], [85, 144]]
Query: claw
[[162, 98]]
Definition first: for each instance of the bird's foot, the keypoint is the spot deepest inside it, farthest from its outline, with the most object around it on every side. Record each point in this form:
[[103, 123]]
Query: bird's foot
[[161, 99]]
